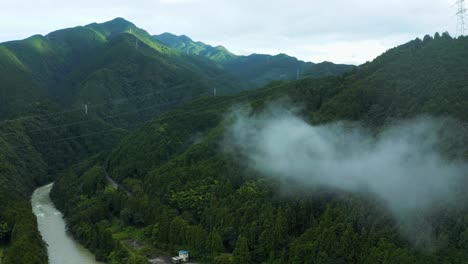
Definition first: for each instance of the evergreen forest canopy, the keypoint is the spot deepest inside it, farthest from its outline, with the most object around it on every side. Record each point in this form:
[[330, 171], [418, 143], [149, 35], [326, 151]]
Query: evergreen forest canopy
[[187, 191], [125, 78], [154, 128]]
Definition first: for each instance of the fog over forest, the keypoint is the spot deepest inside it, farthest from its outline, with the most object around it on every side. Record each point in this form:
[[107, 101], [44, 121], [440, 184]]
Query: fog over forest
[[402, 166]]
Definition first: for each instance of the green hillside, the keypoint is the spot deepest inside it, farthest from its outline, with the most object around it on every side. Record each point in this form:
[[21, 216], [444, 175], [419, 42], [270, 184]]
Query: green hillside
[[123, 76], [258, 69], [185, 191], [100, 63], [118, 72], [185, 44], [33, 150]]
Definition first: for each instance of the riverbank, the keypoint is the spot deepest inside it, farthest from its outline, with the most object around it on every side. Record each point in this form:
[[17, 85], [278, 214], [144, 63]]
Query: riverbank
[[61, 247]]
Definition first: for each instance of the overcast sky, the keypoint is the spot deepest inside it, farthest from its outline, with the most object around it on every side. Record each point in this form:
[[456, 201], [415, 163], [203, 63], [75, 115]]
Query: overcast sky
[[342, 31]]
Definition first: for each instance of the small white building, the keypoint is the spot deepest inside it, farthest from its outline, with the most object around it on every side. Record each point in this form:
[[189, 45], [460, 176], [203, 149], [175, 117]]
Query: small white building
[[183, 257], [183, 254]]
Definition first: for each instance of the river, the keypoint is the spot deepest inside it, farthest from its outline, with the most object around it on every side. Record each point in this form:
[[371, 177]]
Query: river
[[62, 248]]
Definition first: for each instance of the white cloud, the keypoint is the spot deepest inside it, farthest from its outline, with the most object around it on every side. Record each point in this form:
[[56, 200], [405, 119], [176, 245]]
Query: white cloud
[[175, 1]]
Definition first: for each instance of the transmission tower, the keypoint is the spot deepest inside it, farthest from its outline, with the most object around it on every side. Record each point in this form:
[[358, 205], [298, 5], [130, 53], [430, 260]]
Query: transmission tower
[[461, 12]]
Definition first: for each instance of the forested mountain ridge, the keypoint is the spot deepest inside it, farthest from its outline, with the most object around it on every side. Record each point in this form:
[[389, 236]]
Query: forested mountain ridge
[[421, 76], [74, 93], [188, 192], [33, 150], [259, 69], [185, 44], [99, 63]]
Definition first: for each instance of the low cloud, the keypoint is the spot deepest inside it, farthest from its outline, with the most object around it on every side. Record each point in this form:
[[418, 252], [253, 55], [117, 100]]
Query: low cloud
[[402, 166]]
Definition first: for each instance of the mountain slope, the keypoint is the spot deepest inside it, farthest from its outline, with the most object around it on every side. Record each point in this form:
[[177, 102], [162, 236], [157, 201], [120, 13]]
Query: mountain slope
[[102, 63], [188, 192], [99, 63], [259, 69], [33, 150], [183, 43], [417, 77], [114, 70]]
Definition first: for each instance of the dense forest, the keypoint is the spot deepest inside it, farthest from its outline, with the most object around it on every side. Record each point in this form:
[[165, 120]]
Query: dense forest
[[102, 64], [83, 105], [75, 93], [179, 187], [31, 156]]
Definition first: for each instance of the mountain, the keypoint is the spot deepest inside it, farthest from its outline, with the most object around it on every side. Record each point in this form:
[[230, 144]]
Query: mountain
[[185, 44], [258, 69], [98, 64], [33, 150], [185, 190], [74, 93]]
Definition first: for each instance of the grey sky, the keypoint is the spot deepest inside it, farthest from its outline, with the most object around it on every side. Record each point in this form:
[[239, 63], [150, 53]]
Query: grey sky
[[343, 31]]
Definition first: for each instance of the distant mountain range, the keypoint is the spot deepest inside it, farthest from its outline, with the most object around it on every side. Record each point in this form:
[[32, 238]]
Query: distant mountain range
[[99, 63], [258, 69]]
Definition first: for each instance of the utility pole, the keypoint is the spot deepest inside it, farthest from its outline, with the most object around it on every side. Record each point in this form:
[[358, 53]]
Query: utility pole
[[461, 11]]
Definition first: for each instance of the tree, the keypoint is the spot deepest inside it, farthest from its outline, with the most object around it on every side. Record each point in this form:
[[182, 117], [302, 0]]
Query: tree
[[164, 225], [113, 258], [137, 259], [4, 232], [126, 215], [223, 259], [196, 237], [241, 252], [215, 242], [177, 231]]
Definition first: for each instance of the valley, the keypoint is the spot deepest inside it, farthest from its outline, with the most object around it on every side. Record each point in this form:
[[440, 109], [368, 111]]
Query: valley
[[158, 143]]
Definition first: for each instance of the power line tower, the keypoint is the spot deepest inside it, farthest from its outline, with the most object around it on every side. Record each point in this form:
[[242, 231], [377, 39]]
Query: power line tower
[[461, 12]]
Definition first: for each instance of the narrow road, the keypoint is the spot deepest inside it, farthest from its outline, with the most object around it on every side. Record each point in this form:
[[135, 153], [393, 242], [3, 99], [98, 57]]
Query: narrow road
[[114, 183]]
